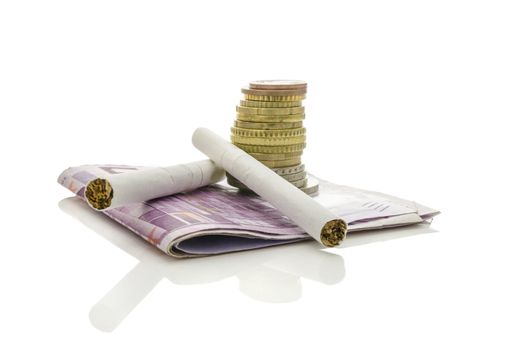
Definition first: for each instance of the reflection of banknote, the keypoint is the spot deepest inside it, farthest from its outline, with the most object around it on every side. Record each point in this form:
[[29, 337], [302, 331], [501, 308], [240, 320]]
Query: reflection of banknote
[[219, 219]]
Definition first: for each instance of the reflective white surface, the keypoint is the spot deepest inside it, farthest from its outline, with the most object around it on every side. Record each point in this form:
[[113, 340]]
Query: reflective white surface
[[423, 100], [269, 275]]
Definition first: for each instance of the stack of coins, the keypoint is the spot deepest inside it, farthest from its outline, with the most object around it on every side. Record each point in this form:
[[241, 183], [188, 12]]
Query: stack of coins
[[269, 126]]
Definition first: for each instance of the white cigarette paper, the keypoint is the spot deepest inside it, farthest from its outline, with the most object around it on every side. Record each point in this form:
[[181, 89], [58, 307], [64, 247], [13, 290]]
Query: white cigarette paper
[[119, 189], [317, 221]]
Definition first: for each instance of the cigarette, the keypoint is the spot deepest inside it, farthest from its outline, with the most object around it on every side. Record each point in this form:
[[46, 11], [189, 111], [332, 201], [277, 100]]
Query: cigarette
[[320, 223], [116, 190]]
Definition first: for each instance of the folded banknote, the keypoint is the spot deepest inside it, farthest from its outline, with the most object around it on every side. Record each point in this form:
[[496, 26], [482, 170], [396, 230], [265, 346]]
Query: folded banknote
[[219, 219]]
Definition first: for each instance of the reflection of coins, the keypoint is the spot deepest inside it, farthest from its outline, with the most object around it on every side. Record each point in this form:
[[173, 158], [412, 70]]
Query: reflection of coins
[[275, 156], [270, 118], [268, 133], [270, 104], [267, 126], [281, 163], [278, 84], [253, 97], [295, 176], [289, 170], [270, 149], [270, 111], [275, 141], [273, 92]]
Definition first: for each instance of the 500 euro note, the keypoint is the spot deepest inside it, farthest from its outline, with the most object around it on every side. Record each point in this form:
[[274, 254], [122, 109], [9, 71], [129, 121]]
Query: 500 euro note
[[218, 219]]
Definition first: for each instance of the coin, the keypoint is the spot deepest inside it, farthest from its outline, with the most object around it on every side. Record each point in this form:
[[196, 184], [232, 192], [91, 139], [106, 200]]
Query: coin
[[267, 126], [268, 133], [270, 104], [299, 183], [253, 97], [275, 156], [270, 118], [295, 176], [312, 187], [289, 170], [273, 92], [270, 111], [276, 141], [278, 84], [270, 149], [281, 163]]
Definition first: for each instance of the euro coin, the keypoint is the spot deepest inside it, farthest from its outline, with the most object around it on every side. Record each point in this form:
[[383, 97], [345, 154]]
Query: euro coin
[[312, 187], [275, 156], [267, 126], [273, 92], [299, 183], [268, 133], [270, 149], [295, 176], [278, 84], [276, 141], [289, 170], [270, 111], [270, 104], [270, 118], [253, 97], [281, 163]]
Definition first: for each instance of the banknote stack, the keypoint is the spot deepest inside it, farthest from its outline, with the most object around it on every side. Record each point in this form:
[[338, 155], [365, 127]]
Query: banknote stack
[[269, 126]]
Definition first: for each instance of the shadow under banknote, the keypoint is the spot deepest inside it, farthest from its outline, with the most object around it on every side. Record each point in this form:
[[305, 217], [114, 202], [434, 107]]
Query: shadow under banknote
[[270, 275]]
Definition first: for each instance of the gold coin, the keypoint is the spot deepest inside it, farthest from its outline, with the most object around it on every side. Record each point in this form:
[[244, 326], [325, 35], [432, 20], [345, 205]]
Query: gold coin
[[270, 104], [268, 133], [270, 118], [281, 163], [275, 156], [273, 92], [270, 149], [269, 111], [295, 176], [275, 141], [253, 97], [278, 84], [267, 126], [289, 170]]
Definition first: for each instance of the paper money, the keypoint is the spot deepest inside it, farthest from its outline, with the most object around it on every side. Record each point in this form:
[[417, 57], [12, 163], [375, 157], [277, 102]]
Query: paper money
[[218, 219]]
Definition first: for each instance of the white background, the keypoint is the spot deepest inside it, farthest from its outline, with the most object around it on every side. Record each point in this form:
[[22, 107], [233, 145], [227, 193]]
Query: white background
[[426, 100]]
